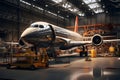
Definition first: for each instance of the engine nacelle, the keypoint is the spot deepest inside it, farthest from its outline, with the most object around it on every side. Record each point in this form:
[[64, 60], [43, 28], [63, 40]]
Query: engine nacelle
[[97, 40]]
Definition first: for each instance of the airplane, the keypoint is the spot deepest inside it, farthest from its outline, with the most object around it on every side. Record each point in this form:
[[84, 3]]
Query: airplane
[[43, 34]]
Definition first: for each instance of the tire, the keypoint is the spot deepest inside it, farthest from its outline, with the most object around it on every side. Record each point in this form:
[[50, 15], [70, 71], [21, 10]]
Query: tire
[[32, 67], [86, 53], [8, 66], [18, 67], [81, 54], [46, 65]]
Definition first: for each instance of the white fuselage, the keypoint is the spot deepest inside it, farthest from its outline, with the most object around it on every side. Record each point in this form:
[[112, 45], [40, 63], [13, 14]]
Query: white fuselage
[[40, 33], [65, 33], [43, 34]]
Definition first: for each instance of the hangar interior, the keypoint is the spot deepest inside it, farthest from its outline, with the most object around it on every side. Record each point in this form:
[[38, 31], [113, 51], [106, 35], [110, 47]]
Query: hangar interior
[[93, 15], [96, 18]]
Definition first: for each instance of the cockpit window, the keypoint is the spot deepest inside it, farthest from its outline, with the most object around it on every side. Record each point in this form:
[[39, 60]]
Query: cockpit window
[[41, 26], [34, 25]]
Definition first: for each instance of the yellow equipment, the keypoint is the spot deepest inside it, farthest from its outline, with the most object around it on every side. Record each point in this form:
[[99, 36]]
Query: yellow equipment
[[29, 60], [111, 49], [93, 53]]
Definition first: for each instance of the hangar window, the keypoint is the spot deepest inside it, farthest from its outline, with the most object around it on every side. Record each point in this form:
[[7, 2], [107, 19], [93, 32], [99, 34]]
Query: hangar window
[[94, 5], [41, 26]]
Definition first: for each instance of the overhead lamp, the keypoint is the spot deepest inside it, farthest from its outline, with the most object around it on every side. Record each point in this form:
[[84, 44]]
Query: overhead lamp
[[75, 10], [70, 9], [94, 5], [33, 5], [52, 13], [57, 1], [98, 10], [58, 11], [66, 5], [46, 5], [89, 1], [27, 3], [103, 6], [67, 15], [81, 14], [106, 11], [83, 3]]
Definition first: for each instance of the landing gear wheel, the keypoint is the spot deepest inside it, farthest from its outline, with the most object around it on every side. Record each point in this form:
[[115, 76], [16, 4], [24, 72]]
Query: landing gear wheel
[[46, 65], [18, 67], [8, 66], [32, 67], [86, 53], [81, 54]]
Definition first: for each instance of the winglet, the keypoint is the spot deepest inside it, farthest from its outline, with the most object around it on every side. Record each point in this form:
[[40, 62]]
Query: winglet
[[76, 24]]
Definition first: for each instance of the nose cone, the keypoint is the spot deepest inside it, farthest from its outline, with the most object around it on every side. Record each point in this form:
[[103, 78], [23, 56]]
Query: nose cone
[[25, 35], [28, 31]]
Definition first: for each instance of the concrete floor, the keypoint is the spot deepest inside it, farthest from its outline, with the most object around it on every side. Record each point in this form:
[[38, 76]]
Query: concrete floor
[[101, 68]]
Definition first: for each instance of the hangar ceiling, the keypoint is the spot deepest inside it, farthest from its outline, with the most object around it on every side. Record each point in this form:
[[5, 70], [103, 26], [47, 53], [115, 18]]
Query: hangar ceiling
[[71, 8], [17, 13], [112, 6]]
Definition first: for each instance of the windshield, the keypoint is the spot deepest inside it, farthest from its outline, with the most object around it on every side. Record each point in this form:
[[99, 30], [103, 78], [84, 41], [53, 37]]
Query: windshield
[[36, 25]]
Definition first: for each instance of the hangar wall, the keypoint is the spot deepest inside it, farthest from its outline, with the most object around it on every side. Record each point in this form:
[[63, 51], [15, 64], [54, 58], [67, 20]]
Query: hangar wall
[[112, 20], [16, 16], [99, 19]]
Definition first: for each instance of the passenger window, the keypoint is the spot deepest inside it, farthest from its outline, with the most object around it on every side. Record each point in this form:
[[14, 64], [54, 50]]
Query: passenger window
[[41, 26]]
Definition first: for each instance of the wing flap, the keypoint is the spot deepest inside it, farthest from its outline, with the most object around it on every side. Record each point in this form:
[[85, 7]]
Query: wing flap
[[81, 42]]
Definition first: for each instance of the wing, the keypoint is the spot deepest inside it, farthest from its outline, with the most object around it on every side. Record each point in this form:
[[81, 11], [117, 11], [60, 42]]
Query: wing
[[91, 41], [70, 43], [89, 38], [96, 40], [11, 43], [111, 40], [81, 42]]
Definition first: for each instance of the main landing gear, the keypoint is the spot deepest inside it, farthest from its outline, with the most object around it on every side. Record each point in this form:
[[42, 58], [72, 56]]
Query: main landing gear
[[84, 52]]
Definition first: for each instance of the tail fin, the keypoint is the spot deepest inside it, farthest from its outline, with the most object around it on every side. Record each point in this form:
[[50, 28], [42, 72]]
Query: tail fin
[[76, 24]]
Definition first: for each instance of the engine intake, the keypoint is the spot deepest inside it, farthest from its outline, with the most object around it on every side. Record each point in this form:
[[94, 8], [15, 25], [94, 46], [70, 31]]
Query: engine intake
[[97, 40]]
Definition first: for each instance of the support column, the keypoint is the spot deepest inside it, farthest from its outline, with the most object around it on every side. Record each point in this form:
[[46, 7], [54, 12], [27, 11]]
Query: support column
[[18, 19]]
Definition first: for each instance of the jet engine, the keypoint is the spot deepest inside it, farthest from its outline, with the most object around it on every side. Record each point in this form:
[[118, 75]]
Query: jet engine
[[97, 40]]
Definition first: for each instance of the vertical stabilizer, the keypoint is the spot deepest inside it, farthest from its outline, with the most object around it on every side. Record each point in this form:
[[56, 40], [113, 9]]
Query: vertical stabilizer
[[76, 24]]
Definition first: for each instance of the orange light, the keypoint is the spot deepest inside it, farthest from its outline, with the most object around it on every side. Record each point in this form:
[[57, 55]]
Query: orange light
[[111, 49]]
